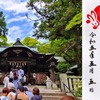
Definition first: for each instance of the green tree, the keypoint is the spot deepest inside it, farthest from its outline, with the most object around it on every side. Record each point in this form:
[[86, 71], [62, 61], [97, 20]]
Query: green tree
[[54, 17], [63, 67], [61, 23], [3, 40], [10, 44], [3, 29], [76, 20], [68, 48], [44, 47], [28, 41]]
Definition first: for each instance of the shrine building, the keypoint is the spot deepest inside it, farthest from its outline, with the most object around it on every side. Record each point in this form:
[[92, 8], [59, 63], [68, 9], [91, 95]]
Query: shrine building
[[35, 65]]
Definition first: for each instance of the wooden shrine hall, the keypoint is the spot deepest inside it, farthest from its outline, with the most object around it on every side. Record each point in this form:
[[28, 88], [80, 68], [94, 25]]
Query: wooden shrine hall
[[35, 65]]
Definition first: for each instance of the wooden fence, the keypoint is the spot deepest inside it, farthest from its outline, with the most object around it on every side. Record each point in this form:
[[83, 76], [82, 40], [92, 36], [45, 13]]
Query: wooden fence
[[70, 83], [74, 82]]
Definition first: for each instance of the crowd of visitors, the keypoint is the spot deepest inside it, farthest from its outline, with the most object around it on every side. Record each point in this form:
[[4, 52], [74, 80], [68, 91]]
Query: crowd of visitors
[[16, 89], [22, 93]]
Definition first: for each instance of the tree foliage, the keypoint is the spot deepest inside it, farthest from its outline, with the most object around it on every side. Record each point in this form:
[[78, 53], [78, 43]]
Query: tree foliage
[[69, 49], [63, 67], [76, 20], [44, 47], [28, 41], [61, 22], [3, 40], [55, 15], [3, 29]]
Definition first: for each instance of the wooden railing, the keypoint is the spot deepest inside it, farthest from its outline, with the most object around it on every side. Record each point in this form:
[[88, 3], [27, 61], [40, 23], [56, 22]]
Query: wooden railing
[[72, 84], [66, 87]]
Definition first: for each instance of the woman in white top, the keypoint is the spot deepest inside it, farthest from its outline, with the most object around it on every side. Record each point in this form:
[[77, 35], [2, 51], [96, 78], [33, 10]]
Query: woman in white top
[[10, 84], [6, 80]]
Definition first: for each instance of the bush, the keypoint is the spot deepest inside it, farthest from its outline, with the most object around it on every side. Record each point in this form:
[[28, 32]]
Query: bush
[[78, 92], [63, 67]]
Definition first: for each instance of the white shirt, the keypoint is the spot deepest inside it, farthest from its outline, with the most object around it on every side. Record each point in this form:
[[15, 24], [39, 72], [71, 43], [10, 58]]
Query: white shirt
[[20, 73], [5, 81], [11, 74], [11, 95], [10, 85]]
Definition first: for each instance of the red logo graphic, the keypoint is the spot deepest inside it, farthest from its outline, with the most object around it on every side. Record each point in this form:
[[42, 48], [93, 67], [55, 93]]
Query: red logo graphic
[[94, 17]]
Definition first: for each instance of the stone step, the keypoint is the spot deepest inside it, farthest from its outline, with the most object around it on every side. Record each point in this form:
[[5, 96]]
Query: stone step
[[49, 94], [51, 97], [53, 94]]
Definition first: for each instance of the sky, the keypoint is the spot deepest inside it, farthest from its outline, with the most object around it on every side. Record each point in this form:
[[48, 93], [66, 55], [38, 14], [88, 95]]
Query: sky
[[15, 17]]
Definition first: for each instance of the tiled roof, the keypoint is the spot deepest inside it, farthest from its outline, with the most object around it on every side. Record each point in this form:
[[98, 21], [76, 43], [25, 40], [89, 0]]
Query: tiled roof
[[2, 48]]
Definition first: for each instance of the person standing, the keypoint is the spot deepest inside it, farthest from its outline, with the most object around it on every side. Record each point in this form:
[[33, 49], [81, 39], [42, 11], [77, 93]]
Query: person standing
[[28, 92], [11, 73], [36, 94], [15, 81], [6, 80], [4, 94], [12, 94], [10, 83], [21, 95], [20, 73]]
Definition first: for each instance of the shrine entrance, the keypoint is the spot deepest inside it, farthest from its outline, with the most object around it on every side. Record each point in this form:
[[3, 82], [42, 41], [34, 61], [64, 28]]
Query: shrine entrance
[[35, 65]]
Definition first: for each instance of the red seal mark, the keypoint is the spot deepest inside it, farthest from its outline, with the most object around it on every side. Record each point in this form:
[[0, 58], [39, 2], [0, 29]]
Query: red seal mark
[[94, 17]]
